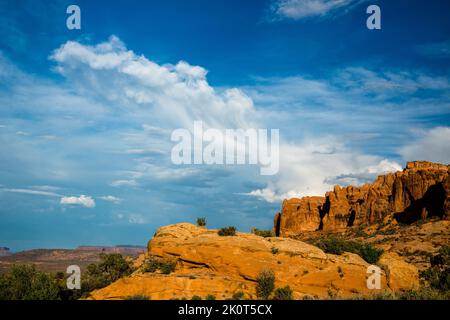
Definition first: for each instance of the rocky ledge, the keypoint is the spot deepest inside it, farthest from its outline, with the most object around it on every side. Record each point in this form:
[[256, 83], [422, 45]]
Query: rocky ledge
[[209, 264]]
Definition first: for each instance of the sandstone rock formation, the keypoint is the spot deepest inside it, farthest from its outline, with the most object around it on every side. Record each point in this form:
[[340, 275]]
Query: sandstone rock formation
[[223, 265], [421, 190], [399, 273]]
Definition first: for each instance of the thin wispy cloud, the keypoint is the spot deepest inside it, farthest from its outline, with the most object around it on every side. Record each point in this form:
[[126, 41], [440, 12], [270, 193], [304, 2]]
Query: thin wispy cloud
[[301, 9], [31, 192], [437, 50], [112, 199], [82, 200], [121, 183]]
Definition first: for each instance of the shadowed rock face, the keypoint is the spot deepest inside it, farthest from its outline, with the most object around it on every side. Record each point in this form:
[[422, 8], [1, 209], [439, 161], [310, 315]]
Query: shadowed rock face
[[421, 190]]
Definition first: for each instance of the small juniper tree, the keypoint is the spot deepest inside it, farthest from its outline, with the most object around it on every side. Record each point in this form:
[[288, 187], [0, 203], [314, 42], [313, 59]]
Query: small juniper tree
[[283, 293], [201, 222], [228, 231], [265, 283]]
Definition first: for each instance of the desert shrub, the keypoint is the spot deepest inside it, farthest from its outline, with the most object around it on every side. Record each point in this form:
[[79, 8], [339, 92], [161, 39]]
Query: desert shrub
[[340, 271], [153, 264], [338, 246], [111, 268], [265, 283], [274, 250], [201, 222], [150, 265], [26, 283], [195, 297], [442, 258], [359, 232], [283, 294], [437, 278], [423, 294], [167, 267], [137, 297], [388, 232], [93, 279], [114, 266], [210, 297], [367, 252], [228, 231], [438, 275], [238, 295], [263, 233]]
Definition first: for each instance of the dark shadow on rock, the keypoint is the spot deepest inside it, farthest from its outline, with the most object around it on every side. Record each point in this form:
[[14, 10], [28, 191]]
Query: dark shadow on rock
[[351, 219], [430, 205]]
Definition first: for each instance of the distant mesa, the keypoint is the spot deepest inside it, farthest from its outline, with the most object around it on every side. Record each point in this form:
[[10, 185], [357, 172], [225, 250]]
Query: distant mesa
[[420, 191], [4, 251], [57, 260], [122, 249]]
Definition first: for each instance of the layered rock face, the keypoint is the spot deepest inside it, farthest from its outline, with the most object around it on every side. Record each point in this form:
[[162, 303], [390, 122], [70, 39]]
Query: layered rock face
[[421, 190], [221, 266]]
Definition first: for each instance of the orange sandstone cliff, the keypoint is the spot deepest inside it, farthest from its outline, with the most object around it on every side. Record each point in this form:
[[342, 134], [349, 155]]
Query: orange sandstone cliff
[[420, 191]]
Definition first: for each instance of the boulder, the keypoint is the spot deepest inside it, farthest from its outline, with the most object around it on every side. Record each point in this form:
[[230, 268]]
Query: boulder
[[400, 275]]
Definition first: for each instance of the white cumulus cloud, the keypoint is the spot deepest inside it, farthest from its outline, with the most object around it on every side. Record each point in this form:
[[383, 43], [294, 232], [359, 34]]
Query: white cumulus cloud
[[305, 171], [82, 200], [431, 145], [175, 94]]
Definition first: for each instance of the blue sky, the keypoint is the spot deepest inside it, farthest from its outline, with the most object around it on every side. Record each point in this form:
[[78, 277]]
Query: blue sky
[[86, 115]]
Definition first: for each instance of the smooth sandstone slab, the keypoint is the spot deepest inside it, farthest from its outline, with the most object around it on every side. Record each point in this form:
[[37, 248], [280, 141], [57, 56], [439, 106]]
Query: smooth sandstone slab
[[221, 266]]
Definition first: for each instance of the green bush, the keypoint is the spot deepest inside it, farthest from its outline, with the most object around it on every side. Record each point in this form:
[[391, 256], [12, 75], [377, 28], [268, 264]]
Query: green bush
[[274, 250], [201, 222], [167, 267], [153, 264], [210, 297], [114, 266], [263, 233], [283, 294], [26, 283], [338, 246], [195, 297], [150, 265], [228, 231], [111, 268], [423, 294], [265, 283], [340, 271], [438, 275], [442, 258]]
